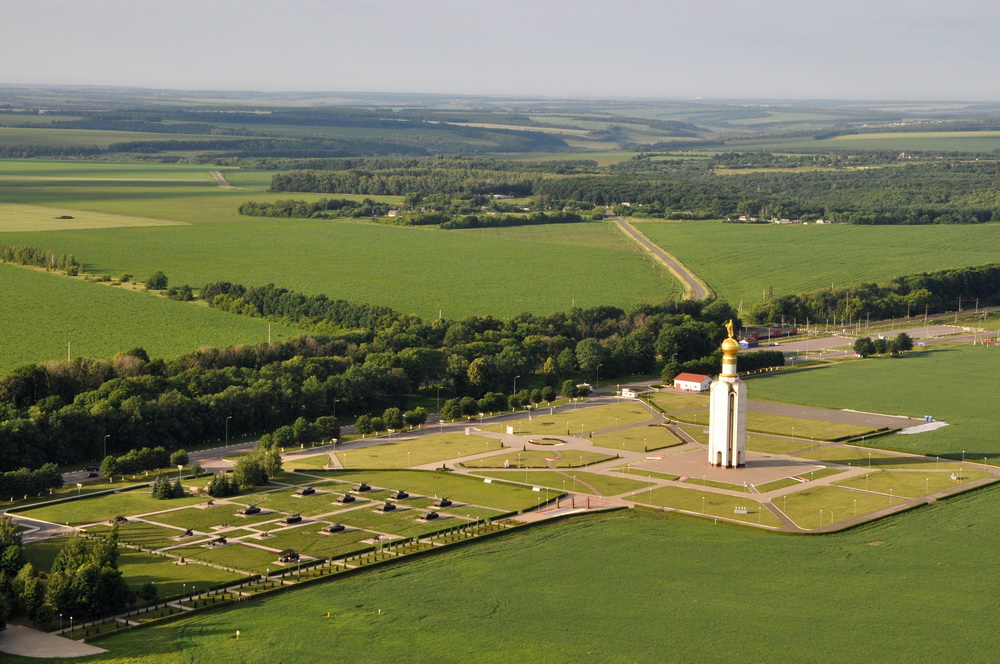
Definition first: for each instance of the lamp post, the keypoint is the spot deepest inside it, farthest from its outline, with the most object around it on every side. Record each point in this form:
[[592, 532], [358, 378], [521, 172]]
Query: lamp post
[[180, 467], [515, 385], [597, 380], [106, 436], [335, 408], [228, 417]]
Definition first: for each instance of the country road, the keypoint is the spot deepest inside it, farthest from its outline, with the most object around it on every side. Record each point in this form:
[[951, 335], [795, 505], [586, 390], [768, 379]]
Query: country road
[[693, 287], [220, 180]]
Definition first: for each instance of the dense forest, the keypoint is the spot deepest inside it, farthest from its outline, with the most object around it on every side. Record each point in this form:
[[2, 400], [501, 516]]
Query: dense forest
[[874, 189]]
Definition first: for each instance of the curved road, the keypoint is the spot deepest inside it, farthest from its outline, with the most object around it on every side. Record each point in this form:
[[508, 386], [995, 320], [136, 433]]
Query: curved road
[[693, 288]]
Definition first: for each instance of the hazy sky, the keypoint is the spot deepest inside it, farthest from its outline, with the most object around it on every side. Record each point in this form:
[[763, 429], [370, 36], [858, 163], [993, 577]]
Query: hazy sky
[[861, 49]]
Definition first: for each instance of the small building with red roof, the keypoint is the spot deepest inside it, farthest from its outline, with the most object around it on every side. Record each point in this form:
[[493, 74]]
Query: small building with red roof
[[692, 382]]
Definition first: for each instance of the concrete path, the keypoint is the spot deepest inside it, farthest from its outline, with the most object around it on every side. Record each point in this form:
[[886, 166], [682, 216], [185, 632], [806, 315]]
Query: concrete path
[[28, 642]]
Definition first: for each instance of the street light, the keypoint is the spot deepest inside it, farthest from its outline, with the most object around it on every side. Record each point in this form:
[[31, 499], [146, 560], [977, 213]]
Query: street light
[[180, 467], [106, 436], [515, 385], [597, 381], [228, 417]]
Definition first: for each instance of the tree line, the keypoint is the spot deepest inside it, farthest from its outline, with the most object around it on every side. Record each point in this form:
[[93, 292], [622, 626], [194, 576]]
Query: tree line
[[369, 359], [904, 296]]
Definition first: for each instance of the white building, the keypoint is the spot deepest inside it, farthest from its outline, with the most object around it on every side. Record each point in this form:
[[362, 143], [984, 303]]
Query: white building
[[629, 392], [691, 382], [727, 428]]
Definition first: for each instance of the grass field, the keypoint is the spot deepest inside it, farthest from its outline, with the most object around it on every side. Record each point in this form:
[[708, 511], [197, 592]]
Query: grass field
[[709, 504], [346, 260], [103, 508], [794, 258], [827, 505], [18, 217], [307, 255], [417, 451], [577, 422], [846, 597], [592, 483], [515, 458], [311, 541], [442, 484], [910, 485], [931, 141], [937, 383], [638, 439], [204, 519], [234, 555], [43, 312]]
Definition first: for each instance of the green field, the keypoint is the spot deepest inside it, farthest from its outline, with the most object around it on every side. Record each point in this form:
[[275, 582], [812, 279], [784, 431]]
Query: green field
[[937, 383], [805, 257], [593, 483], [349, 260], [577, 422], [515, 458], [43, 312], [417, 451], [103, 508], [458, 488], [847, 597], [929, 141], [637, 439]]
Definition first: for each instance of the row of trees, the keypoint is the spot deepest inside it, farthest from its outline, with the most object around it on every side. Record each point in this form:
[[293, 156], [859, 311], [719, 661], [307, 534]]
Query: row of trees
[[35, 257], [910, 295], [139, 460], [27, 482], [866, 346]]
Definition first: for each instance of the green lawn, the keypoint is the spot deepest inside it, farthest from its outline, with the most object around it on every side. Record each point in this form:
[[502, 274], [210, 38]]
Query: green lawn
[[286, 501], [795, 258], [169, 577], [781, 425], [459, 488], [311, 541], [934, 383], [713, 505], [540, 459], [43, 312], [105, 507], [579, 422], [592, 483], [402, 522], [872, 581], [768, 445], [417, 451], [638, 439], [204, 519], [147, 535], [233, 555], [910, 484], [669, 400], [831, 504]]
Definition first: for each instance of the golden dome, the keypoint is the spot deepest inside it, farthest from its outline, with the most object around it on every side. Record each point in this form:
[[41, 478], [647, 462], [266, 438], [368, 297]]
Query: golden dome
[[730, 347]]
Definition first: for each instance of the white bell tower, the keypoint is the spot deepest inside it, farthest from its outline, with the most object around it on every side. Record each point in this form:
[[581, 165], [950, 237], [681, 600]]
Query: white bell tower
[[727, 428]]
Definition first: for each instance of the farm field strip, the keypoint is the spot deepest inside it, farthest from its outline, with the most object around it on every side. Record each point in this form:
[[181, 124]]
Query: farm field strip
[[790, 258], [43, 312]]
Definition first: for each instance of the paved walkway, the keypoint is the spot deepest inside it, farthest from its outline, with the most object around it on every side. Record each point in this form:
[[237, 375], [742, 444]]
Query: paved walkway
[[28, 642]]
